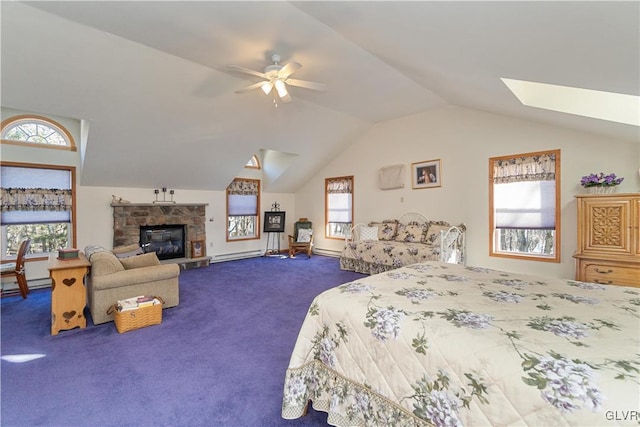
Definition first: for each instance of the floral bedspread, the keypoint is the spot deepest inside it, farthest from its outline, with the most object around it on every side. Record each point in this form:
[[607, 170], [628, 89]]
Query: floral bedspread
[[373, 257], [444, 344]]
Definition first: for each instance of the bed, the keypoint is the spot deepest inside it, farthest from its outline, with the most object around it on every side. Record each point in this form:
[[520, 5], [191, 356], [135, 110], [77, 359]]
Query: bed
[[444, 344]]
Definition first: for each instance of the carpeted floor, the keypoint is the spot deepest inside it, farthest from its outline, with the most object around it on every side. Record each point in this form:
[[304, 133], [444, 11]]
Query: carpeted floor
[[217, 359]]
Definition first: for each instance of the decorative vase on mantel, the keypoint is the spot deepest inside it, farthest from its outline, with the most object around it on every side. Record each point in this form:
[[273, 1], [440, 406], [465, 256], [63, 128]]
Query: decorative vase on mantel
[[602, 189]]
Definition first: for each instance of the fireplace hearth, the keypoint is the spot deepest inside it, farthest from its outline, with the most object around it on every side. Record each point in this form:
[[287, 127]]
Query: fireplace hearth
[[167, 240]]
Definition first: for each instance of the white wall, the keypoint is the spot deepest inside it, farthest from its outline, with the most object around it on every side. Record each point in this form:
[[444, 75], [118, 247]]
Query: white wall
[[95, 216], [94, 223], [464, 139], [95, 220]]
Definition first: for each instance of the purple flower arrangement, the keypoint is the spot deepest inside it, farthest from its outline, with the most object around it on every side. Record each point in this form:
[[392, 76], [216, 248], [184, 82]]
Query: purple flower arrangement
[[600, 180]]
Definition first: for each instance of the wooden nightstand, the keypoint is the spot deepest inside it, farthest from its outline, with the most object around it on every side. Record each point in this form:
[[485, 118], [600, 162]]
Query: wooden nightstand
[[68, 292]]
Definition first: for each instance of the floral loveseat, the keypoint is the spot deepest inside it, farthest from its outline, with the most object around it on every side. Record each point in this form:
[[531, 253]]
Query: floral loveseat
[[381, 246]]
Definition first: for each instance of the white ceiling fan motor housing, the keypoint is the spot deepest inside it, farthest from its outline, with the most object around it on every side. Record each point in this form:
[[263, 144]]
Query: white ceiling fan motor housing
[[272, 70]]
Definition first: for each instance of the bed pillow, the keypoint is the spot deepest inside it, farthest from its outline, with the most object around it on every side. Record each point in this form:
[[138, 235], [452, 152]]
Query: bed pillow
[[411, 232], [304, 235], [432, 236], [386, 229], [369, 233]]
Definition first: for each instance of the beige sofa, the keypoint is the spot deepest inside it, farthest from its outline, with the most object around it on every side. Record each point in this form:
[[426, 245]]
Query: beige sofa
[[123, 273]]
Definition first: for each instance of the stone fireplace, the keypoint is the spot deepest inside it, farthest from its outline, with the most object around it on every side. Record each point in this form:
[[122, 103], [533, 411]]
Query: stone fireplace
[[129, 217]]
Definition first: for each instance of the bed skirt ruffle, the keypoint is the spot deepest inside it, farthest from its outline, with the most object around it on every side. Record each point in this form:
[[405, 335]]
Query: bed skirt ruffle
[[346, 403], [360, 266]]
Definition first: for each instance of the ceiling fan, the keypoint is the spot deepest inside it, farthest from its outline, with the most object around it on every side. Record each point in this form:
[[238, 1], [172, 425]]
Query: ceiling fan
[[277, 77]]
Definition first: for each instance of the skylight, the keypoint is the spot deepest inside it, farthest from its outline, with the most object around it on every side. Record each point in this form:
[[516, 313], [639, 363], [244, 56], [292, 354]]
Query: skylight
[[615, 107]]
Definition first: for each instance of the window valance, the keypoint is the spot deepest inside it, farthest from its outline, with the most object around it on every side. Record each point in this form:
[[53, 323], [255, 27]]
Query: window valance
[[35, 199], [246, 187], [533, 168], [340, 185]]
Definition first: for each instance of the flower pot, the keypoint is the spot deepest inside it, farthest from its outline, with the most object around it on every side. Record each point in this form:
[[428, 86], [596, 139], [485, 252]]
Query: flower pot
[[600, 189]]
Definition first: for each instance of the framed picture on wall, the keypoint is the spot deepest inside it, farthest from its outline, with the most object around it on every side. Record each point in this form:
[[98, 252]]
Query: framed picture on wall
[[198, 249], [426, 174], [274, 222]]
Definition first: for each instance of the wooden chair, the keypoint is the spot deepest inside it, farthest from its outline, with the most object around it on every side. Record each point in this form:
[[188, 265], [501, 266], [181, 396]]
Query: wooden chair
[[16, 269], [301, 242]]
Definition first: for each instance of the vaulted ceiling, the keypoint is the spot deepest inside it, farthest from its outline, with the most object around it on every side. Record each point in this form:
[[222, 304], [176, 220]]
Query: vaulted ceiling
[[151, 79]]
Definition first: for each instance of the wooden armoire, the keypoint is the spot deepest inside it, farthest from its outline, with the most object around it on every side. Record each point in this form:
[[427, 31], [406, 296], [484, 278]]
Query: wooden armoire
[[608, 239]]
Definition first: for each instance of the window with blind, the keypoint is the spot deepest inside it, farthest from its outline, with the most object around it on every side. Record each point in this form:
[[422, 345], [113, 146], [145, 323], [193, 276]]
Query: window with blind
[[524, 193], [37, 203], [243, 205], [338, 207]]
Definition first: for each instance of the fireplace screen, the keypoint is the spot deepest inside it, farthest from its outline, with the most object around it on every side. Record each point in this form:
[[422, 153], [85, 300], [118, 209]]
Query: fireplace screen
[[167, 241]]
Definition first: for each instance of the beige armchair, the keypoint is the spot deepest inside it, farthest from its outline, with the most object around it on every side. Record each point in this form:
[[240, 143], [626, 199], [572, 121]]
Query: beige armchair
[[111, 279]]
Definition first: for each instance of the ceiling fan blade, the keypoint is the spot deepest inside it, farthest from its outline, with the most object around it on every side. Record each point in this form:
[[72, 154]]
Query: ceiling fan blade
[[248, 71], [289, 69], [307, 85], [248, 88]]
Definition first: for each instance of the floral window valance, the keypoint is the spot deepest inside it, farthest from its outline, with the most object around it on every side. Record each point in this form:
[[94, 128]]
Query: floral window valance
[[533, 168], [340, 185], [247, 187], [35, 199]]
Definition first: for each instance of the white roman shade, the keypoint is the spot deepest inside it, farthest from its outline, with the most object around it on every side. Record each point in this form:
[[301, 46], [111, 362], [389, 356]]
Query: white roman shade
[[242, 205], [524, 193], [340, 207], [535, 201]]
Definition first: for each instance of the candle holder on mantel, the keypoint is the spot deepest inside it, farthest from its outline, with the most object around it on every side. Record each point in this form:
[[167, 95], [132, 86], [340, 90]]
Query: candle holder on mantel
[[164, 195]]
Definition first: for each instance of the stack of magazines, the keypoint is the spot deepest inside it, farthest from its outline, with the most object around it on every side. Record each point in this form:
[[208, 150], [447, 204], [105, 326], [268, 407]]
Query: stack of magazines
[[136, 302]]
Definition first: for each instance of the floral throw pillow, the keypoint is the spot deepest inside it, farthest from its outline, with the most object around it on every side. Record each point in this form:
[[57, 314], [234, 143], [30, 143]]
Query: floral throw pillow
[[412, 232], [369, 233], [386, 229], [304, 235], [432, 236]]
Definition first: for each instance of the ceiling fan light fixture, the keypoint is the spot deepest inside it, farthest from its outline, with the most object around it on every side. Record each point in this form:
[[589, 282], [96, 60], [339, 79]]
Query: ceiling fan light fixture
[[281, 88], [276, 76], [266, 87]]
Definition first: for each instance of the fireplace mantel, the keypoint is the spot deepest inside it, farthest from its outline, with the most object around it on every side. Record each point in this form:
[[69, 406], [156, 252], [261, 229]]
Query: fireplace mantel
[[158, 204]]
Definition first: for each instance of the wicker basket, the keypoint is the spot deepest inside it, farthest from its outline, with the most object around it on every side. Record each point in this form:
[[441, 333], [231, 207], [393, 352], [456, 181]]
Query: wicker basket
[[139, 318]]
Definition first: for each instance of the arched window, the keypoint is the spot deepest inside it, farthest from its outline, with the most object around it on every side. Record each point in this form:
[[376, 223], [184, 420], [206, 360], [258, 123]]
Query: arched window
[[253, 163], [36, 131]]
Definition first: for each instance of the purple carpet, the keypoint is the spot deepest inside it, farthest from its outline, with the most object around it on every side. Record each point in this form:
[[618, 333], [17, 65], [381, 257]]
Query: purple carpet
[[217, 359]]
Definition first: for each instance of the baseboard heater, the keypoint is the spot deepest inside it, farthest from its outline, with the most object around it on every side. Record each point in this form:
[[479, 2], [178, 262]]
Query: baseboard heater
[[40, 283], [327, 252], [237, 255]]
